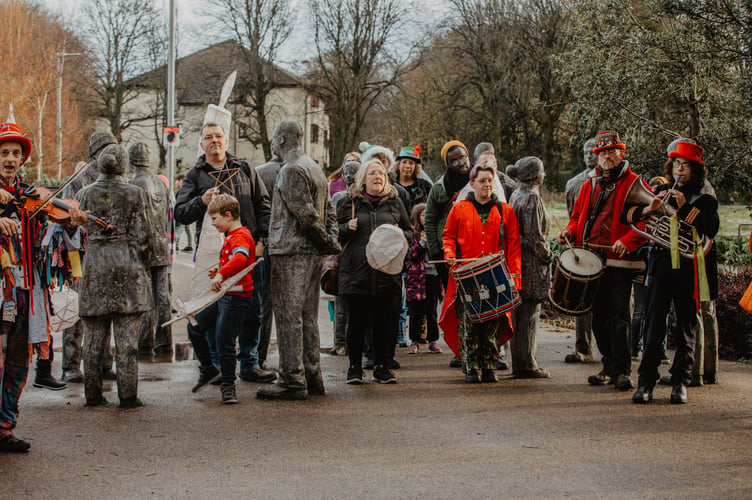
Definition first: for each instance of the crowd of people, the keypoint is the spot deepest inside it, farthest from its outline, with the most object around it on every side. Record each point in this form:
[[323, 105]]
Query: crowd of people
[[467, 255]]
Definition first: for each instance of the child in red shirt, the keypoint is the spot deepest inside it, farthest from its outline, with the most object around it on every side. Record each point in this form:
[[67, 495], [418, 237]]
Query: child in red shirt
[[225, 317]]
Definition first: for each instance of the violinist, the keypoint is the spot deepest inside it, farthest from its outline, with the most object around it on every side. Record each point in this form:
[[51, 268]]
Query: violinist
[[23, 280]]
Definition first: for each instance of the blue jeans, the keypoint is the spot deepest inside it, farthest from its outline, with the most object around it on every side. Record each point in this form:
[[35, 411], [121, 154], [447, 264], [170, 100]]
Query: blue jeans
[[250, 334], [226, 319], [248, 338]]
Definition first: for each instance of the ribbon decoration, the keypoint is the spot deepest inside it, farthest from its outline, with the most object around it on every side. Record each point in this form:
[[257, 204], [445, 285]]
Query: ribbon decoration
[[674, 241], [702, 288]]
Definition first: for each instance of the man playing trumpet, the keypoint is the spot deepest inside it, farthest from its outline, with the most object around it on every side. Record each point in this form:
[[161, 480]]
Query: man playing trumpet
[[595, 222]]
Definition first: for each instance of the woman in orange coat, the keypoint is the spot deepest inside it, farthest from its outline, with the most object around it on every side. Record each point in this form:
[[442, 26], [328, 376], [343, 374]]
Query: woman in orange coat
[[475, 228]]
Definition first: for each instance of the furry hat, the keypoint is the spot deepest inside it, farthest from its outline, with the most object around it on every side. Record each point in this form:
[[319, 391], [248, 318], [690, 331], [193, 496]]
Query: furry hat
[[371, 153]]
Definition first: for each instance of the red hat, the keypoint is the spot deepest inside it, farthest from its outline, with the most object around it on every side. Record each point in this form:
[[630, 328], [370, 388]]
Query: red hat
[[691, 152], [10, 132], [608, 140]]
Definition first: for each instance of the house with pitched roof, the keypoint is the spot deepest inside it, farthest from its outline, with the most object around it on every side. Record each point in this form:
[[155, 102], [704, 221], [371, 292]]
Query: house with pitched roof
[[199, 78]]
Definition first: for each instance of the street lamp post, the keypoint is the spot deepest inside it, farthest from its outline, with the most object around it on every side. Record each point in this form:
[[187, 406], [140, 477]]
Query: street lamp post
[[60, 62]]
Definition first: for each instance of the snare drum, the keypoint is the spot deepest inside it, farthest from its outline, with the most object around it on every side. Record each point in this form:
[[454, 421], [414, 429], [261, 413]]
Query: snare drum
[[575, 281], [486, 288]]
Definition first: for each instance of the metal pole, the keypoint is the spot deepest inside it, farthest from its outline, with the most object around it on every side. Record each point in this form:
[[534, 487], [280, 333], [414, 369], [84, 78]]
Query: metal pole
[[59, 124], [171, 95]]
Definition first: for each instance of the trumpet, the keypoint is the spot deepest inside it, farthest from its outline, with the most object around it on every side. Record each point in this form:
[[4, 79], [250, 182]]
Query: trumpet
[[658, 226]]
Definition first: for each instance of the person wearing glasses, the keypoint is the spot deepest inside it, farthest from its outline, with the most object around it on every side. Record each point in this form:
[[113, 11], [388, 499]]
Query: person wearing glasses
[[679, 280], [217, 171]]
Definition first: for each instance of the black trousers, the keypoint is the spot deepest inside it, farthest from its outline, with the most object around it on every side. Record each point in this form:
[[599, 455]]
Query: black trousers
[[666, 285], [375, 315], [612, 322], [426, 309]]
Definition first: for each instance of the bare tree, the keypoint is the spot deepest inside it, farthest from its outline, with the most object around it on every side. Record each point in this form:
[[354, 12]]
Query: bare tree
[[120, 34], [355, 42], [261, 27]]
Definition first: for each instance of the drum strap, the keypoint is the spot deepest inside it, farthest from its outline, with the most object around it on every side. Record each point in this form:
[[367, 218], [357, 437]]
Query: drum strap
[[600, 202], [501, 224]]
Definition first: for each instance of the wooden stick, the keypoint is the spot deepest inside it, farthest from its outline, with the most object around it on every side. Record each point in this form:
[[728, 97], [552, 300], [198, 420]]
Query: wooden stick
[[594, 245], [458, 260], [576, 257]]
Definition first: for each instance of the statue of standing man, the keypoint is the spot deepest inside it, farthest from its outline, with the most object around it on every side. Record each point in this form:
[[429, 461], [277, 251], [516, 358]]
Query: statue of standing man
[[157, 205], [303, 229]]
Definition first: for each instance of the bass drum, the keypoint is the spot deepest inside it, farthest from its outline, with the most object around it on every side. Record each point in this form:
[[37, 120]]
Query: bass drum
[[575, 281]]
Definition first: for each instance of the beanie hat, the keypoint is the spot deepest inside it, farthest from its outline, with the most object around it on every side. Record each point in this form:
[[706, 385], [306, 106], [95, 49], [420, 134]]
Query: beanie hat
[[608, 140], [98, 140], [139, 155], [449, 145], [525, 169]]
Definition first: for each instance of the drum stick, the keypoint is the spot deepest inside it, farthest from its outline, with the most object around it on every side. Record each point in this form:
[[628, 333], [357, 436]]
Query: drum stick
[[569, 244], [458, 260], [594, 245]]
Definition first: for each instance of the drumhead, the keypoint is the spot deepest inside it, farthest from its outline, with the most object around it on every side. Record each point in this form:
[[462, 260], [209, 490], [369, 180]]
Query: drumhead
[[589, 262], [478, 264]]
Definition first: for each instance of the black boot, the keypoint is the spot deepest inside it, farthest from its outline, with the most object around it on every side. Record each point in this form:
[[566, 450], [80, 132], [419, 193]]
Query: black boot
[[44, 378]]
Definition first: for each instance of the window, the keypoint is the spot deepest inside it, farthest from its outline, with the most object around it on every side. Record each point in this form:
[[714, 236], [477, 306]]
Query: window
[[314, 133], [314, 101], [242, 132]]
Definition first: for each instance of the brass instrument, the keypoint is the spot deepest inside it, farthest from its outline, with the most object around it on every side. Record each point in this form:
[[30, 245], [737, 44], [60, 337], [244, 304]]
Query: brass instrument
[[658, 226]]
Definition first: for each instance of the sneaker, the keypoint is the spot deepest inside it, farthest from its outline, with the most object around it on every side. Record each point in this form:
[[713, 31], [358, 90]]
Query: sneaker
[[413, 349], [434, 348], [456, 362], [578, 357], [354, 375], [624, 383], [12, 444], [207, 375], [228, 394], [488, 375], [338, 351], [602, 378], [383, 375], [472, 376], [187, 249], [502, 365]]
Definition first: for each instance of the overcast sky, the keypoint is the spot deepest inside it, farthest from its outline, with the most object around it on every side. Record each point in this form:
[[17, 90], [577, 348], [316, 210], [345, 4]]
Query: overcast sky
[[194, 35]]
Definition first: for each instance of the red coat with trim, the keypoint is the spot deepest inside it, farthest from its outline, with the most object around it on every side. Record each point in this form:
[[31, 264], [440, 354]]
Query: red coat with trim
[[619, 231], [465, 236]]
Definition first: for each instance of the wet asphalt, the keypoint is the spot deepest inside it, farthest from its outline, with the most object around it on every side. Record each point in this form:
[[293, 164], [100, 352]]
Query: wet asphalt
[[428, 436]]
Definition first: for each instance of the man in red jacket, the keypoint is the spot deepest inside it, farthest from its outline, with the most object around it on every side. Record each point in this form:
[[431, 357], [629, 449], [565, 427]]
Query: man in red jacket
[[595, 222]]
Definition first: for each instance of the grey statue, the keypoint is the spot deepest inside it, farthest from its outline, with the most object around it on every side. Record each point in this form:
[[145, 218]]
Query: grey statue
[[532, 221], [583, 352], [302, 230], [268, 173], [72, 336], [157, 205], [114, 292]]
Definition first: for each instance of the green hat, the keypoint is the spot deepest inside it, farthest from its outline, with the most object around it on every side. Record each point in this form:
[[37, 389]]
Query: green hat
[[410, 154]]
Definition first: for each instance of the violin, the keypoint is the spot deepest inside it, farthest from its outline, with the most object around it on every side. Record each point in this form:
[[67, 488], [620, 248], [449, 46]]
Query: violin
[[57, 209]]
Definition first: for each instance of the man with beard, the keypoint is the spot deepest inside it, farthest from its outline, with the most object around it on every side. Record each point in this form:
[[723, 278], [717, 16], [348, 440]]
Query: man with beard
[[596, 221]]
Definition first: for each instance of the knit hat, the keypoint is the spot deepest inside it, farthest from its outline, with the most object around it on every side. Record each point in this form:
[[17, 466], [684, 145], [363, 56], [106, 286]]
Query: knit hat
[[525, 169], [98, 141], [139, 155], [608, 140], [386, 249], [410, 154], [445, 149], [10, 132], [691, 152]]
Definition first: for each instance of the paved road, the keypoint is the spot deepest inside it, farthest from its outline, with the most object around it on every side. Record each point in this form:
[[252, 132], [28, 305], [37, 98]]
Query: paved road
[[428, 436]]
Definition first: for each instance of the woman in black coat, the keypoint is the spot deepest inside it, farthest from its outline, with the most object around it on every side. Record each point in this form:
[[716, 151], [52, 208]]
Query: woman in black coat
[[682, 285], [370, 293]]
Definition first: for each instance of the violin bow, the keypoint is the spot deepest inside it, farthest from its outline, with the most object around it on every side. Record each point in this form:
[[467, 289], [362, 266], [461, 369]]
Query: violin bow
[[60, 189]]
